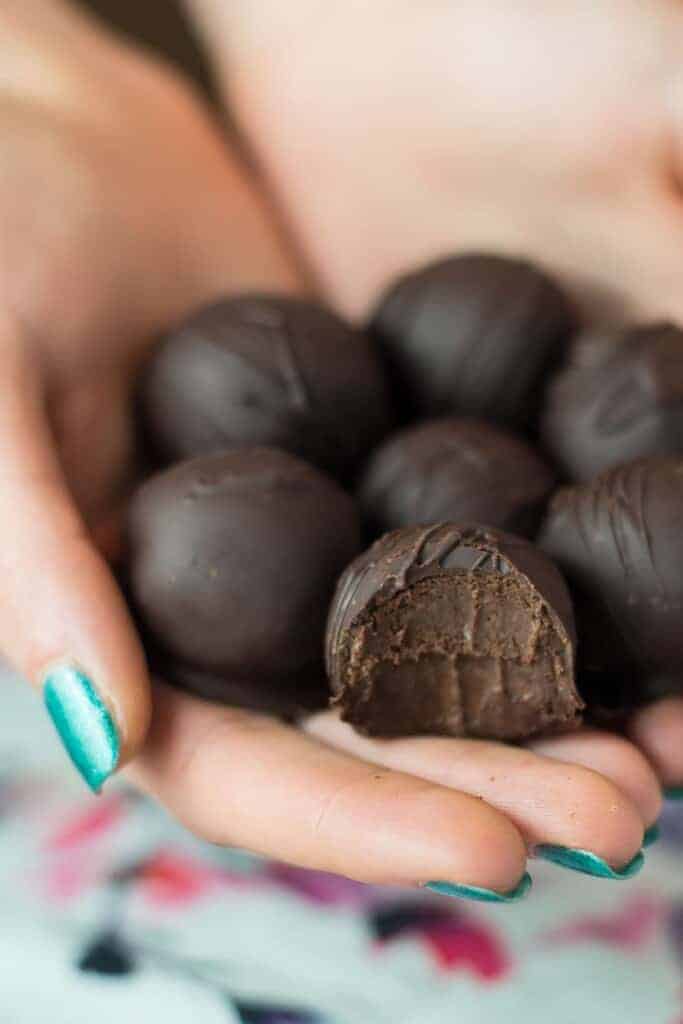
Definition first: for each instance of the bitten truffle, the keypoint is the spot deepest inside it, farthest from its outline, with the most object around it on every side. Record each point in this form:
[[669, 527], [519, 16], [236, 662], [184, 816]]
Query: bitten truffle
[[233, 560], [474, 335], [457, 470], [620, 398], [456, 631], [619, 541], [265, 370]]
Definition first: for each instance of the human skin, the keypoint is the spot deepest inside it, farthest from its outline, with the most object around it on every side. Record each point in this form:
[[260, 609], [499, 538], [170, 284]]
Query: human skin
[[394, 132], [121, 207]]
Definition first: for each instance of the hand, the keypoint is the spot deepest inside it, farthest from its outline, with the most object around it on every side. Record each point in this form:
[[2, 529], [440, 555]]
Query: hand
[[120, 208], [232, 776], [471, 174], [554, 130], [403, 812]]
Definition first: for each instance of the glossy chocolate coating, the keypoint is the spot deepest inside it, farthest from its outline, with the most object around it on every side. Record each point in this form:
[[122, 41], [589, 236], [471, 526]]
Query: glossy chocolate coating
[[450, 630], [457, 470], [474, 335], [620, 398], [266, 370], [233, 559], [619, 541]]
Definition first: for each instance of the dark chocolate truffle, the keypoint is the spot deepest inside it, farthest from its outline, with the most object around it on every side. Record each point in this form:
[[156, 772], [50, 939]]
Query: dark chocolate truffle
[[290, 698], [457, 470], [233, 559], [620, 398], [266, 370], [475, 335], [457, 631], [619, 540]]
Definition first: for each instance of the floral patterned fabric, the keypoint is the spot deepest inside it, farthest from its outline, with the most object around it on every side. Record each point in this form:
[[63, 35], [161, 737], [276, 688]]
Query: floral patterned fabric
[[109, 912]]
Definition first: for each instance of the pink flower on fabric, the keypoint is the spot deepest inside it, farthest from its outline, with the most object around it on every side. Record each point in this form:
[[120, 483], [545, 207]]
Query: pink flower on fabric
[[86, 825], [319, 887], [456, 939], [630, 929]]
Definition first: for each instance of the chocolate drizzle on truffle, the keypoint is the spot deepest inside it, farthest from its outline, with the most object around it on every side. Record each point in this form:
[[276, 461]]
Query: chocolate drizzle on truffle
[[455, 631], [619, 540], [620, 398]]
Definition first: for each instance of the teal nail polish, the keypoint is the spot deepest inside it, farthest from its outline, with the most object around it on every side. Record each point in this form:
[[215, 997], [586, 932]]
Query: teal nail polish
[[588, 863], [674, 793], [651, 835], [472, 892], [84, 724]]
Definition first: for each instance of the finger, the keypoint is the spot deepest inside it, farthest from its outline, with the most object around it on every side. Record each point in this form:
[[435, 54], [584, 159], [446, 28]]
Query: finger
[[658, 731], [550, 802], [63, 622], [614, 758], [243, 779]]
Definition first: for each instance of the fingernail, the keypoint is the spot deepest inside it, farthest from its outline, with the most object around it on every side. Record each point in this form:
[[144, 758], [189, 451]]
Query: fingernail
[[673, 793], [473, 892], [83, 722], [588, 863], [651, 835]]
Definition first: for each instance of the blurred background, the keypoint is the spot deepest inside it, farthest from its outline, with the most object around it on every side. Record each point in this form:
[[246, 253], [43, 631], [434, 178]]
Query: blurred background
[[160, 24]]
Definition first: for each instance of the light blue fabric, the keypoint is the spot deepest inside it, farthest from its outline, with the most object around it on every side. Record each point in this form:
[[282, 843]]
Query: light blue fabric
[[218, 936]]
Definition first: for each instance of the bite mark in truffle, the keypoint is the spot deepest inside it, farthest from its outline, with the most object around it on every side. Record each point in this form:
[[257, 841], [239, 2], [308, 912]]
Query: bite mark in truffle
[[458, 631]]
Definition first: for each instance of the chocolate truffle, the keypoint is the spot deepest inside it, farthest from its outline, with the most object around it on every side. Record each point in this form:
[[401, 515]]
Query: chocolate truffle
[[620, 398], [619, 540], [474, 335], [233, 559], [266, 370], [456, 631], [289, 698], [462, 470]]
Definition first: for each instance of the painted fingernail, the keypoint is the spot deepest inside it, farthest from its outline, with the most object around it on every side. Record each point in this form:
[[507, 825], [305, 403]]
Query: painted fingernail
[[588, 863], [651, 835], [83, 722], [473, 892], [673, 793]]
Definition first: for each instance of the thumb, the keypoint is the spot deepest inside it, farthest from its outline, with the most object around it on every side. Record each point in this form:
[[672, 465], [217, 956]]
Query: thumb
[[63, 621]]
